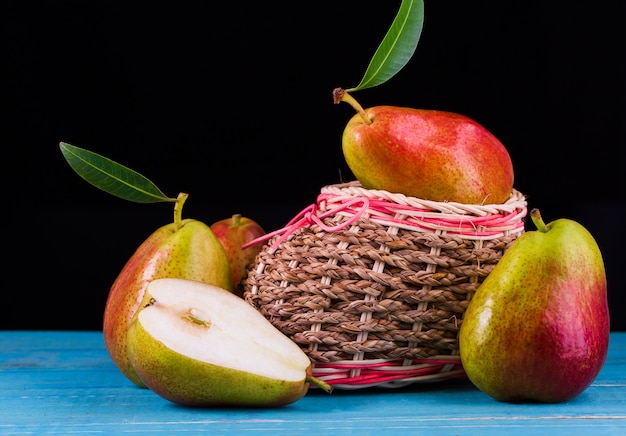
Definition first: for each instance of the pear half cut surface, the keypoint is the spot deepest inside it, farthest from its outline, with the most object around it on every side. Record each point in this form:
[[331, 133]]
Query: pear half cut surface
[[197, 344]]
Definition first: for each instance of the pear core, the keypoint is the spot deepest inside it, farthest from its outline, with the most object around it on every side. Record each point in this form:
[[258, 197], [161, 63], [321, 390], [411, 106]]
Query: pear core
[[212, 325]]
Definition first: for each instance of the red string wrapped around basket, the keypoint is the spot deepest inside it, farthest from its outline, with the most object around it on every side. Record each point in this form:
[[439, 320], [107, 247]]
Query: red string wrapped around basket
[[373, 285]]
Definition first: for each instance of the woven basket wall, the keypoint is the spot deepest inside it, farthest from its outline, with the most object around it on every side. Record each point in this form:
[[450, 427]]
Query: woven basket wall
[[373, 285]]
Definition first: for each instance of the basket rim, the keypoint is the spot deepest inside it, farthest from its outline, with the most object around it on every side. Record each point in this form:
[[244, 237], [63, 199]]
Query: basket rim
[[469, 221], [434, 215], [354, 189]]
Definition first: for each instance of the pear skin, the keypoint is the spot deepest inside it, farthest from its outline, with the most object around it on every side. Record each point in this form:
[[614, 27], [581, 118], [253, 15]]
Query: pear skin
[[192, 252], [428, 154], [537, 329], [234, 232], [199, 345]]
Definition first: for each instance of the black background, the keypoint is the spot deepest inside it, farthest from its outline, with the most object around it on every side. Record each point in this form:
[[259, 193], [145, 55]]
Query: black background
[[233, 105]]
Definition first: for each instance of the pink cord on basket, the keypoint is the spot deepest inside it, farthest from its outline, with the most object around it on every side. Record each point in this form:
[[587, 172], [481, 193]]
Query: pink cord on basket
[[466, 225], [369, 375], [477, 226], [308, 216]]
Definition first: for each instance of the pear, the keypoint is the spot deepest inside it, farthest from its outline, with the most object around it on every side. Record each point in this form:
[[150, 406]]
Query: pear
[[429, 154], [537, 328], [199, 345], [237, 234], [185, 249]]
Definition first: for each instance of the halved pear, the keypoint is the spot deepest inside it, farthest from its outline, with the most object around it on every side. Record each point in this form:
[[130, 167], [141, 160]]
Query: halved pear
[[200, 345]]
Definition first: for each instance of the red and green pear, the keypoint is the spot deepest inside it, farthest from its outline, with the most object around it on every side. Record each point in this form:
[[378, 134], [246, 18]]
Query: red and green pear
[[537, 328], [234, 232], [429, 154]]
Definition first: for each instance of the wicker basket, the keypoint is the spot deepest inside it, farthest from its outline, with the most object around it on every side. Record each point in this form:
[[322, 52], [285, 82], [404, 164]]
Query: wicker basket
[[373, 285]]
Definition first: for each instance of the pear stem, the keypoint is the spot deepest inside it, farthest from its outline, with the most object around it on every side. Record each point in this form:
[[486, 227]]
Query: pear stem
[[178, 210], [535, 215], [319, 383], [340, 94]]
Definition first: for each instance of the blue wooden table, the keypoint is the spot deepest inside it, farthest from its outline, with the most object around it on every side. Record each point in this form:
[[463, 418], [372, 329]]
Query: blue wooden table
[[64, 383]]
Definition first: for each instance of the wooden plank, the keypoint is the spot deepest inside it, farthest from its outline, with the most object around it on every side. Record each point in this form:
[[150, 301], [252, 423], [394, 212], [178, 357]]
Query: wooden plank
[[64, 382]]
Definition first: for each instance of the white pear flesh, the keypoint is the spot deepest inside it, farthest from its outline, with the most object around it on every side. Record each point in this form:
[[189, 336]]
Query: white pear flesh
[[198, 344]]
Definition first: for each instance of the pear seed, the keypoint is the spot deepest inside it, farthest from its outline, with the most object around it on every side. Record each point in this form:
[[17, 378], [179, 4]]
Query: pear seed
[[197, 317]]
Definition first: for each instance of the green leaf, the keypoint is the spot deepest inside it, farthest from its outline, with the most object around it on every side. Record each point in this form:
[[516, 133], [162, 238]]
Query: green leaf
[[112, 177], [397, 47]]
